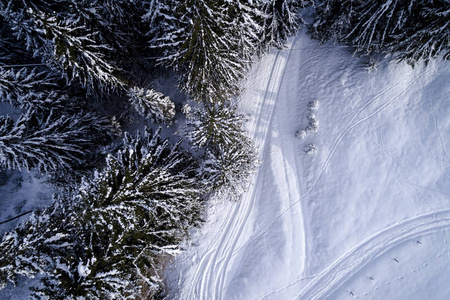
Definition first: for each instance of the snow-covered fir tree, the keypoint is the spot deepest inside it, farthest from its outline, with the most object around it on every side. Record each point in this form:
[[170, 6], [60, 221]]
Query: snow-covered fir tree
[[230, 155], [411, 29], [119, 23], [152, 105], [228, 171], [281, 20], [160, 18], [63, 41], [51, 141], [26, 86], [89, 42], [108, 238], [12, 51], [202, 48], [429, 38], [211, 125], [247, 17]]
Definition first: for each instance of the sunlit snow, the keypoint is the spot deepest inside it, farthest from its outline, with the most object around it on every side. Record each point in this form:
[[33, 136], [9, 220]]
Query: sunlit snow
[[366, 216]]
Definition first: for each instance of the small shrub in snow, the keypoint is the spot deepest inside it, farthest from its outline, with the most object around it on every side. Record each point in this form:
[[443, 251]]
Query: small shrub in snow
[[314, 123], [300, 134], [313, 105], [187, 110], [311, 116], [313, 127], [310, 149]]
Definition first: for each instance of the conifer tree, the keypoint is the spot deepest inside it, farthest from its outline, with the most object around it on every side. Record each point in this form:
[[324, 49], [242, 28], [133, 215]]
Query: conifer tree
[[213, 125], [153, 105], [230, 155], [281, 20], [246, 16], [105, 239], [202, 48], [51, 142], [88, 42], [25, 87], [63, 41], [430, 38], [410, 29]]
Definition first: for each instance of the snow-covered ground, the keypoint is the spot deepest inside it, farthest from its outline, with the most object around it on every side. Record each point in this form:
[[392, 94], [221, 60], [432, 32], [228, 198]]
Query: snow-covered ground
[[366, 216]]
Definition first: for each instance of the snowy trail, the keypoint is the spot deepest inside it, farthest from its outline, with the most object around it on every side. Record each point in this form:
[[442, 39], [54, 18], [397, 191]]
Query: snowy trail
[[325, 283], [211, 274]]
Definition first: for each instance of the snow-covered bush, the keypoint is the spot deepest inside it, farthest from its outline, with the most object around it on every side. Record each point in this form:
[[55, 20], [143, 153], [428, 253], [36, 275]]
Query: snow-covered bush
[[310, 149], [313, 123], [300, 134], [311, 116], [371, 65], [313, 105]]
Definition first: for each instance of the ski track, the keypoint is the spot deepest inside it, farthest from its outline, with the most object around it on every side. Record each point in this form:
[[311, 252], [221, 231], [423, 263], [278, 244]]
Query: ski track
[[328, 281], [349, 126], [210, 276], [249, 197]]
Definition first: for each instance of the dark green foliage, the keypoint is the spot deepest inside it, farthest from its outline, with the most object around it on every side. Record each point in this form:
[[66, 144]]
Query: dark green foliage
[[428, 38], [63, 40], [411, 29], [106, 239], [27, 87], [202, 48], [230, 155], [281, 20], [52, 142]]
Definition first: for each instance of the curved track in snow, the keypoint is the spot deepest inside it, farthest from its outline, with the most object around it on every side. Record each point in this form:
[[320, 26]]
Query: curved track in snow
[[324, 284], [210, 276]]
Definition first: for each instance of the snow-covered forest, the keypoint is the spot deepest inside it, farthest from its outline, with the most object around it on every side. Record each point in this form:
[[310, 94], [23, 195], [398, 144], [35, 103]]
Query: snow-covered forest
[[123, 116]]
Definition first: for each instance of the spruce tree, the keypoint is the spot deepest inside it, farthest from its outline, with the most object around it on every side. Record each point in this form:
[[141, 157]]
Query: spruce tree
[[409, 29], [202, 48], [26, 87], [63, 41], [230, 155], [107, 238], [428, 39], [50, 141], [246, 16], [153, 105], [281, 20]]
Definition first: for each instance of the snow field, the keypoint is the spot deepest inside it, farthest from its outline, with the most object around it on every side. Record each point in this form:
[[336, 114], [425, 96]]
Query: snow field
[[321, 226]]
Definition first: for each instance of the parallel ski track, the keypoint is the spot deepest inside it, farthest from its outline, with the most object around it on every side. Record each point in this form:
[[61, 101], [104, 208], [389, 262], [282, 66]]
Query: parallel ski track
[[210, 276], [349, 264]]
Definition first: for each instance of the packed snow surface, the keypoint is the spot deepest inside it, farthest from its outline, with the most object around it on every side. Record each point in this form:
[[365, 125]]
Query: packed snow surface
[[367, 215]]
